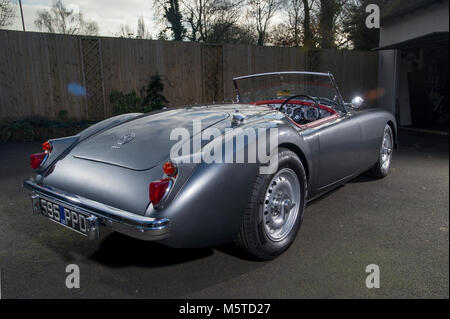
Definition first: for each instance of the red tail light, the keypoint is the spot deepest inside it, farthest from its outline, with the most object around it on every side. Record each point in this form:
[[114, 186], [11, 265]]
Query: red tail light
[[170, 168], [158, 189], [47, 146], [36, 160]]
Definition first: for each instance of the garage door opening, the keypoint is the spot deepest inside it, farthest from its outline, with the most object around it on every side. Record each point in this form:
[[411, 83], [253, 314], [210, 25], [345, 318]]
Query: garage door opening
[[422, 82], [428, 87]]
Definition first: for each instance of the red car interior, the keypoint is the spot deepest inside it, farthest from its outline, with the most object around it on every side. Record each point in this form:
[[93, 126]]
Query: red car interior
[[334, 115]]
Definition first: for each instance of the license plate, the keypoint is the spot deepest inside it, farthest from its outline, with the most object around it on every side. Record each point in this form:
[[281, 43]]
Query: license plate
[[65, 216]]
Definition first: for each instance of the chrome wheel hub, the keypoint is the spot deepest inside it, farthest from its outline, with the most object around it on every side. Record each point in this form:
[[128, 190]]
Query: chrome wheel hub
[[281, 204], [386, 151]]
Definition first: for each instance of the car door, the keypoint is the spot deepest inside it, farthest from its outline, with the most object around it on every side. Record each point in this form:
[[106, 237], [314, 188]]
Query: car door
[[339, 151]]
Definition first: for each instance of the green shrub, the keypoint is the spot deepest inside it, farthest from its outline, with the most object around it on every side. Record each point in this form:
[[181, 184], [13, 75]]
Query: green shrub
[[37, 128], [154, 91], [127, 103], [63, 115], [150, 98]]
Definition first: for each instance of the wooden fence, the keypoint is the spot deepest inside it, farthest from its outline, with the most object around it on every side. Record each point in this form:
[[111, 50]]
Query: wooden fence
[[42, 74]]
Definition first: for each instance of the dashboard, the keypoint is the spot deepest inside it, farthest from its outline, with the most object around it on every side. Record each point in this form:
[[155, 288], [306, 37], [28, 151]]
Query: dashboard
[[302, 114]]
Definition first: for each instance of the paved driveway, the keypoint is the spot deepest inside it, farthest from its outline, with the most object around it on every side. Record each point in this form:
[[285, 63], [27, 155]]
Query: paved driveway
[[399, 223]]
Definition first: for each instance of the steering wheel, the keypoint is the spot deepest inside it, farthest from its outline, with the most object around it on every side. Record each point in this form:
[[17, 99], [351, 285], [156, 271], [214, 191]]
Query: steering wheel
[[316, 103]]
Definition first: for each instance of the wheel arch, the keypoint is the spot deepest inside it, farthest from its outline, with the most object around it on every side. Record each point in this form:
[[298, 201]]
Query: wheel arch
[[394, 132], [294, 148]]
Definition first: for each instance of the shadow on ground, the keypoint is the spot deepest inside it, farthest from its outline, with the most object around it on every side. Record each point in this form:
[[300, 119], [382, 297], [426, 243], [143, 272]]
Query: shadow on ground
[[118, 250]]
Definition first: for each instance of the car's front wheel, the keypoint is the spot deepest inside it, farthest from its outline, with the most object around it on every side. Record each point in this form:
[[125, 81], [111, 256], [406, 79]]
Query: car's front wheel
[[382, 166], [275, 211]]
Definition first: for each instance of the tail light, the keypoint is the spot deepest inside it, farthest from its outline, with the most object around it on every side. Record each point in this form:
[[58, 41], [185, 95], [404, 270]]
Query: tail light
[[158, 189], [47, 147], [37, 159], [170, 168]]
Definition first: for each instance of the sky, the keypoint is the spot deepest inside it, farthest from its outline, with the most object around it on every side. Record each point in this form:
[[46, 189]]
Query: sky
[[109, 14]]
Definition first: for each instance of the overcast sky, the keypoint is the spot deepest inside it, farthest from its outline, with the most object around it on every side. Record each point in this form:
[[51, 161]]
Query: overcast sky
[[109, 14]]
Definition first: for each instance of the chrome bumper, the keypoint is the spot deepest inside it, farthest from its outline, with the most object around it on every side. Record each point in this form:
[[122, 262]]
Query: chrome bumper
[[137, 226]]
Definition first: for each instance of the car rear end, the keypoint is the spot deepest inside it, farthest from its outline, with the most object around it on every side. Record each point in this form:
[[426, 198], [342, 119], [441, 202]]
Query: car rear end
[[114, 175], [83, 195], [81, 186]]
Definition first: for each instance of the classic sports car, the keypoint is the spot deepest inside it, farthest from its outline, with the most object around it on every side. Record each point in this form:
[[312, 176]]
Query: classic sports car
[[122, 173]]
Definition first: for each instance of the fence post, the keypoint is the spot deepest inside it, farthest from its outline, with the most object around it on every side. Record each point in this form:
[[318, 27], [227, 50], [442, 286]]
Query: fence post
[[93, 76], [84, 79], [213, 73]]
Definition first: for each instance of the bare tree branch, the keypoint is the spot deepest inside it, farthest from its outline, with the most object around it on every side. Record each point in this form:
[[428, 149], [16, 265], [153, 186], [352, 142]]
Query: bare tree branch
[[7, 14], [211, 20], [262, 12], [142, 32], [59, 19], [125, 31]]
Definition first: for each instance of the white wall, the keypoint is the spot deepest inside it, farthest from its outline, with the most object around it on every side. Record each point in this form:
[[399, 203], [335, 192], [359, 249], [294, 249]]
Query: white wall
[[387, 80], [418, 23]]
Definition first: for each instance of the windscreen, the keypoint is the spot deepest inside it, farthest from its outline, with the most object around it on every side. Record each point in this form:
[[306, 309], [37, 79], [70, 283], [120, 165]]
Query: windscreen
[[282, 86]]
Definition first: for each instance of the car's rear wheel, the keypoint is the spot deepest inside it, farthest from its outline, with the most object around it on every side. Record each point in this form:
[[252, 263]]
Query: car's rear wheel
[[275, 211], [382, 166]]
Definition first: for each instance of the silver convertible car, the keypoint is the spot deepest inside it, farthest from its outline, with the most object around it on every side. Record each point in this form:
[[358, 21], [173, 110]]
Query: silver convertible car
[[207, 175]]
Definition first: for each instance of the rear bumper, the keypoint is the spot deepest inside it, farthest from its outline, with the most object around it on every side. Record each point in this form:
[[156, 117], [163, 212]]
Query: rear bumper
[[137, 226]]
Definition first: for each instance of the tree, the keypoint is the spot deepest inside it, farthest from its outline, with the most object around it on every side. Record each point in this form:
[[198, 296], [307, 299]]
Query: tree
[[198, 13], [232, 34], [297, 28], [328, 11], [331, 16], [59, 19], [223, 26], [361, 37], [142, 32], [153, 93], [171, 14], [6, 13], [162, 34], [210, 20], [125, 31], [308, 38], [281, 35], [293, 9], [262, 12]]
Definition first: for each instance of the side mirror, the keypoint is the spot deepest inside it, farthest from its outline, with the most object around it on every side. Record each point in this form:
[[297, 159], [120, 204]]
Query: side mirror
[[357, 102]]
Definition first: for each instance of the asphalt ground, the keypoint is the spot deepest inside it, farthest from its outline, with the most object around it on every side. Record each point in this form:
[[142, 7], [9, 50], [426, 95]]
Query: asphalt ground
[[399, 223]]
